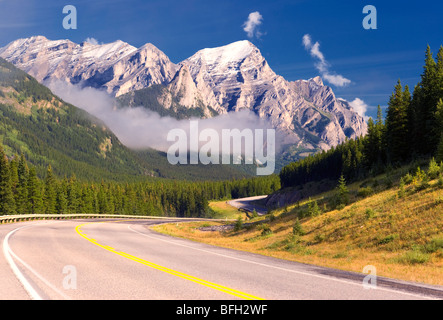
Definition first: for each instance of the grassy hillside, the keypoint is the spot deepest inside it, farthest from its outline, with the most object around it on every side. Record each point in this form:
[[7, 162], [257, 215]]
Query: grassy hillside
[[395, 225]]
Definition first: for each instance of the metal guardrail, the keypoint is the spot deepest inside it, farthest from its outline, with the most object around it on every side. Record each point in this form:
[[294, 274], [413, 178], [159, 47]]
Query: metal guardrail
[[29, 217]]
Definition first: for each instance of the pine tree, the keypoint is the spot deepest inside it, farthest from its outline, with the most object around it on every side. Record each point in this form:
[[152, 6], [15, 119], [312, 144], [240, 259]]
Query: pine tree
[[342, 192], [50, 195], [439, 71], [35, 201], [439, 153], [72, 195], [372, 145], [397, 133], [424, 102], [7, 203], [438, 131], [61, 205], [438, 115], [22, 186]]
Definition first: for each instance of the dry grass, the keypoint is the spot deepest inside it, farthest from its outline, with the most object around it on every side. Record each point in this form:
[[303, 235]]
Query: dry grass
[[401, 237], [223, 210]]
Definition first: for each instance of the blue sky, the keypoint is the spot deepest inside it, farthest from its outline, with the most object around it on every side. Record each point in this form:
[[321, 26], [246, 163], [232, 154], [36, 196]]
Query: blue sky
[[372, 60]]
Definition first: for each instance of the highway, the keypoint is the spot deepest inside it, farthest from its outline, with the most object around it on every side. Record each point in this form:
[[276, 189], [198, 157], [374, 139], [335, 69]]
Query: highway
[[249, 204], [125, 260]]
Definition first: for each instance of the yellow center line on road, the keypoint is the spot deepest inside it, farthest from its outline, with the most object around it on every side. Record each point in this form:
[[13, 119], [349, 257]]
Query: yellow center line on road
[[182, 275]]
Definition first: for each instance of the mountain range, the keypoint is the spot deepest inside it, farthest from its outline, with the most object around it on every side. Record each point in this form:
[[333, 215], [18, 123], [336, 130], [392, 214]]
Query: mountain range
[[50, 131], [212, 82]]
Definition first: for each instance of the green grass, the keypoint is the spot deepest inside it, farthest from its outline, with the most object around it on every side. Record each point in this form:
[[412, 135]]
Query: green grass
[[402, 237]]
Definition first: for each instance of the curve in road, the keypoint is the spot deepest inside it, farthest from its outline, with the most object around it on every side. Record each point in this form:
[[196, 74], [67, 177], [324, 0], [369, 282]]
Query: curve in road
[[121, 259]]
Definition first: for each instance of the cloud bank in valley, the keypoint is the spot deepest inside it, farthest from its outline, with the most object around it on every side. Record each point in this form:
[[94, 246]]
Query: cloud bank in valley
[[139, 128]]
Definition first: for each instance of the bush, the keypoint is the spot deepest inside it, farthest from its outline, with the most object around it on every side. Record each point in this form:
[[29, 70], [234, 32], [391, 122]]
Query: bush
[[265, 229], [387, 239], [369, 213], [433, 170], [238, 224], [319, 238], [440, 181], [407, 179], [297, 229], [342, 192], [365, 192], [401, 189], [420, 180], [433, 246], [313, 209], [414, 257]]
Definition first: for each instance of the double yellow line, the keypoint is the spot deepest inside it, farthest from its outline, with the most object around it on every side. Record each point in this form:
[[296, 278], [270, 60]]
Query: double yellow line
[[182, 275]]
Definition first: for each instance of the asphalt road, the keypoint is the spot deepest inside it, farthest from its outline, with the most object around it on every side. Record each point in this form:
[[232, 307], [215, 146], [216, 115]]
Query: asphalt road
[[249, 204], [75, 259]]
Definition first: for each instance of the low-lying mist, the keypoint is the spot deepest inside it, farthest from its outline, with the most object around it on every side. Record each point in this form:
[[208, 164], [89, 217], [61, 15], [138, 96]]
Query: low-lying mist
[[139, 128]]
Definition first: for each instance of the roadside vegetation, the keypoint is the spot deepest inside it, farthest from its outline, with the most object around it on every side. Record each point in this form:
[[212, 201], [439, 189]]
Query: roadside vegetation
[[392, 221]]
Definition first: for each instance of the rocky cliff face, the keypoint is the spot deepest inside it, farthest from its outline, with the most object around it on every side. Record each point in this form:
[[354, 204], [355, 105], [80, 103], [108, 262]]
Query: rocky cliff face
[[118, 67], [226, 79], [308, 111]]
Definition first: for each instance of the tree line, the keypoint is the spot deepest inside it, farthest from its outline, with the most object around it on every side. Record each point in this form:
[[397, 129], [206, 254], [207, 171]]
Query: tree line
[[23, 192], [412, 129]]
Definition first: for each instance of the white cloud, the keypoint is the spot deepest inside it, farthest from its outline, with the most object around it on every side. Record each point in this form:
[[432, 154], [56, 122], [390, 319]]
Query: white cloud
[[251, 25], [360, 107], [139, 128], [92, 41], [336, 80], [322, 65]]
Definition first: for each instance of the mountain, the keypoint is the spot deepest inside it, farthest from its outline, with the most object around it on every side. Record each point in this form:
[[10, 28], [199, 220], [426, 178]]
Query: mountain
[[211, 82], [48, 130], [240, 77], [118, 67]]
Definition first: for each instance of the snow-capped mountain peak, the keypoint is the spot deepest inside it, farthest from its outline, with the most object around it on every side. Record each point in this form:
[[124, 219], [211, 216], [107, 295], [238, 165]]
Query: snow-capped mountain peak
[[227, 78]]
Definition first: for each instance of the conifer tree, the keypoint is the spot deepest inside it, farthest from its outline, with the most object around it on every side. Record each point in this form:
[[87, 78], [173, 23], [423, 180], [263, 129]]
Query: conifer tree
[[438, 131], [7, 203], [342, 193], [50, 194], [439, 153], [35, 201], [72, 195], [61, 205], [425, 99], [397, 125], [22, 186]]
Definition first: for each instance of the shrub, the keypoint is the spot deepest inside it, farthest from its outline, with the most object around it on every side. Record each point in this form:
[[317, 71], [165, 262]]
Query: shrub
[[319, 238], [238, 224], [414, 257], [365, 192], [313, 209], [433, 170], [369, 213], [342, 192], [420, 180], [388, 239], [440, 181], [297, 229], [265, 229], [433, 246], [407, 179], [401, 189]]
